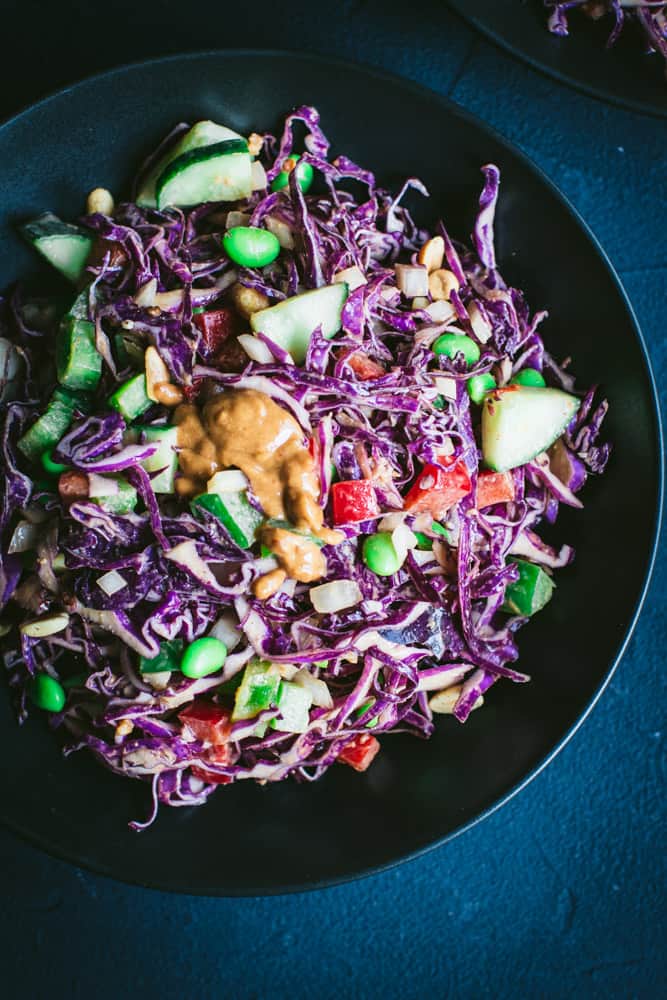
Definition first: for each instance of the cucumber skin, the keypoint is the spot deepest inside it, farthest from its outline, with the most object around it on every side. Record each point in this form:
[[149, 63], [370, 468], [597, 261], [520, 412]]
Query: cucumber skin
[[165, 458], [196, 137], [200, 155], [47, 229], [78, 363], [523, 393]]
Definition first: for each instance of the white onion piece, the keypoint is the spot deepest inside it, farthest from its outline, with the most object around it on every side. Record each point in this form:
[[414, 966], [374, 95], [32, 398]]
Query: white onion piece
[[256, 349], [228, 481], [227, 630], [258, 176], [480, 327], [24, 538], [423, 556], [419, 303], [45, 626], [441, 311], [281, 231], [391, 521], [317, 689], [403, 539], [111, 582], [446, 386], [411, 280], [352, 276], [101, 486], [146, 294], [335, 596]]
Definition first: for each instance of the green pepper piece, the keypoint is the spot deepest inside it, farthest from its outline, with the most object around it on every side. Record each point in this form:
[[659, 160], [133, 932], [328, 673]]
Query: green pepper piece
[[169, 658], [530, 592], [258, 690]]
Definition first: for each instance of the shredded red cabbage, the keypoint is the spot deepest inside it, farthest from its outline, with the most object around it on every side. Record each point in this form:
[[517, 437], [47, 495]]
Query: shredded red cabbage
[[435, 623]]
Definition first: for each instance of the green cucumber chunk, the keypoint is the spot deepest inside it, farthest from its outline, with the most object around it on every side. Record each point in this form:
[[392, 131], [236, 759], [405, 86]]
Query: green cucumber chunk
[[164, 461], [121, 498], [221, 172], [66, 247], [48, 429], [204, 133], [130, 399], [530, 592], [78, 363], [257, 691], [169, 658], [521, 421], [237, 514], [291, 323], [294, 703]]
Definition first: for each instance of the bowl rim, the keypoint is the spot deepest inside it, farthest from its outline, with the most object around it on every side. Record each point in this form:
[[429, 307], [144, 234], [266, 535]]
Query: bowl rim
[[451, 107]]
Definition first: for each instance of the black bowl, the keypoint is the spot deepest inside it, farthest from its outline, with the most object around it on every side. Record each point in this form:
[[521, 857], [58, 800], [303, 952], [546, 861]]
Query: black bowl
[[622, 74], [252, 840]]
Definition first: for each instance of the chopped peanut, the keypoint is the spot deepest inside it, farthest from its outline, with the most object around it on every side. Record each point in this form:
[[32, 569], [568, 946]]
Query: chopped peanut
[[100, 200], [124, 728], [441, 284], [289, 164], [255, 143], [156, 371], [432, 254], [168, 394], [247, 301], [269, 584], [185, 487]]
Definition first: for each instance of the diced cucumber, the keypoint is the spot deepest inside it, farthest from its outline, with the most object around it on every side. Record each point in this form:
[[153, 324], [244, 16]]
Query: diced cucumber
[[294, 703], [520, 421], [48, 429], [257, 691], [130, 399], [237, 514], [78, 363], [221, 172], [531, 592], [165, 458], [292, 322], [169, 658], [66, 247], [113, 493], [204, 133]]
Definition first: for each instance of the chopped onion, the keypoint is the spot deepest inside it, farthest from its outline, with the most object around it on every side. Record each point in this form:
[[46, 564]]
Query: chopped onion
[[331, 597], [287, 670], [228, 481], [146, 294], [317, 689], [236, 219], [45, 626], [159, 680], [101, 486], [256, 349], [411, 280], [24, 538], [352, 276], [111, 582], [258, 176], [423, 556], [480, 327], [443, 702], [419, 303], [446, 386], [403, 539], [227, 630], [441, 311], [281, 231], [391, 521]]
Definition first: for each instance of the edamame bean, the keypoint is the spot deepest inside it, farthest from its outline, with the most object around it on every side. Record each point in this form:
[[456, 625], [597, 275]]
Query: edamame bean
[[52, 467], [251, 247], [529, 376], [451, 344], [479, 385], [304, 176], [203, 657], [47, 693], [379, 554]]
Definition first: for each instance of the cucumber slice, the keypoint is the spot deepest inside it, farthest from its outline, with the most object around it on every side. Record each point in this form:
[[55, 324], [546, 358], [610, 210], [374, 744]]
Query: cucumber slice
[[205, 133], [237, 514], [78, 363], [130, 399], [112, 493], [48, 429], [294, 703], [291, 323], [165, 458], [66, 247], [221, 172], [520, 421]]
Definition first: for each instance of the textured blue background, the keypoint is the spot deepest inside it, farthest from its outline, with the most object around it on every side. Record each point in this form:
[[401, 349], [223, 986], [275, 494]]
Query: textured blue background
[[560, 894]]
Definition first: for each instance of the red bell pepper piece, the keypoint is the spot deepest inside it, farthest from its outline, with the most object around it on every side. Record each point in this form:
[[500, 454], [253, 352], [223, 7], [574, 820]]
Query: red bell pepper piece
[[360, 752], [494, 487], [207, 722], [435, 489], [364, 367], [216, 327], [220, 754], [211, 777], [353, 500]]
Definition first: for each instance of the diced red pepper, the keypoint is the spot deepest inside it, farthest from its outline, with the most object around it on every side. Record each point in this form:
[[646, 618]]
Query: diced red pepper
[[207, 722], [435, 489], [360, 752], [353, 500], [211, 777], [364, 367], [216, 327], [494, 487], [220, 754]]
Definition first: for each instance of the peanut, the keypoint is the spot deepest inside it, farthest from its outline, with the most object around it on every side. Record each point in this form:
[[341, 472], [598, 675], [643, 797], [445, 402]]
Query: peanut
[[441, 284], [432, 254]]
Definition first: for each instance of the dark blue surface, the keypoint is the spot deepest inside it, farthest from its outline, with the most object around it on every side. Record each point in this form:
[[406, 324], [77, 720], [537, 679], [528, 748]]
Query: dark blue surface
[[561, 892]]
